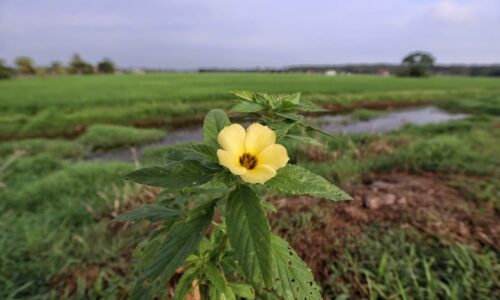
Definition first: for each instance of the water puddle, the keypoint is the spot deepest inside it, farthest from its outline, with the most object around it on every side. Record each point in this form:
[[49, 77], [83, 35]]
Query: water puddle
[[342, 124]]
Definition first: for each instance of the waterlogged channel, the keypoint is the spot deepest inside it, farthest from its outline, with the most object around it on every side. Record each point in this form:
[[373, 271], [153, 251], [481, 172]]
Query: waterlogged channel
[[342, 124]]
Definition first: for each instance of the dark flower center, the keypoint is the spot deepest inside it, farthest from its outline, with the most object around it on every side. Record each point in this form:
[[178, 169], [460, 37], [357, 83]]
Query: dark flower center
[[248, 161]]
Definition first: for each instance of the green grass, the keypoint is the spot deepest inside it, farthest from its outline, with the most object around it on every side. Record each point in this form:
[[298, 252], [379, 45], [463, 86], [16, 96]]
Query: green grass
[[30, 147], [102, 137], [49, 221], [402, 264], [365, 114], [50, 104], [37, 246], [466, 147], [70, 189]]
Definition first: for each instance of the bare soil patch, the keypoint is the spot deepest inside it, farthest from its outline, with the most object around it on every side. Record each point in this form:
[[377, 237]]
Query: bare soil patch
[[424, 202]]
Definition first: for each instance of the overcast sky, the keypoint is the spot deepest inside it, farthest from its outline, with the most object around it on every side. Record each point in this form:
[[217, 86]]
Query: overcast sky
[[232, 33]]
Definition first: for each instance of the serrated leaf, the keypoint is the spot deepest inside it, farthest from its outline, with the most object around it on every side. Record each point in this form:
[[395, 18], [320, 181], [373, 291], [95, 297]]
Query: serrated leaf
[[292, 98], [218, 281], [250, 234], [216, 277], [293, 179], [281, 128], [185, 284], [214, 122], [205, 151], [197, 151], [180, 242], [291, 116], [243, 290], [190, 151], [176, 175], [305, 139], [140, 292], [312, 128], [293, 279], [247, 95], [247, 107], [310, 106], [214, 293], [151, 213]]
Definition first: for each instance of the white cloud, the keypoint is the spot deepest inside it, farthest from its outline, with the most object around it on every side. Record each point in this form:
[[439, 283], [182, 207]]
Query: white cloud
[[452, 12]]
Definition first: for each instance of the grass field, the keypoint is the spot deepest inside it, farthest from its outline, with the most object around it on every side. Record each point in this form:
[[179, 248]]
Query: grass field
[[424, 223], [48, 105]]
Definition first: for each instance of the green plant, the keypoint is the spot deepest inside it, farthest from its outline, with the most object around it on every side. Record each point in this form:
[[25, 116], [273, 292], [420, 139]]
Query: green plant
[[241, 257]]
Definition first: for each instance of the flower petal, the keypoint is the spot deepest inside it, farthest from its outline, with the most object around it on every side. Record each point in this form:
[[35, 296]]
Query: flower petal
[[274, 156], [230, 161], [258, 138], [232, 139], [260, 174]]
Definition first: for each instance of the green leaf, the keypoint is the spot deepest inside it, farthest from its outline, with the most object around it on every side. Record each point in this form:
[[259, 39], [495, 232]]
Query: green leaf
[[214, 122], [312, 128], [247, 107], [291, 116], [250, 234], [218, 281], [205, 151], [310, 106], [293, 279], [281, 128], [141, 290], [180, 242], [216, 277], [293, 179], [247, 95], [151, 213], [305, 139], [176, 175], [184, 286], [214, 293], [292, 98], [243, 290]]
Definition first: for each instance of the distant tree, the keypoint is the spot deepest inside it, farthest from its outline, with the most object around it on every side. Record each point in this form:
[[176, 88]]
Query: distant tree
[[78, 66], [5, 71], [41, 71], [106, 66], [417, 64], [25, 65], [56, 68]]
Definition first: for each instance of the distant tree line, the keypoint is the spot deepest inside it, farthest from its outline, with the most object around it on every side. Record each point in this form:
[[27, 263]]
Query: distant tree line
[[452, 70], [415, 64], [24, 65]]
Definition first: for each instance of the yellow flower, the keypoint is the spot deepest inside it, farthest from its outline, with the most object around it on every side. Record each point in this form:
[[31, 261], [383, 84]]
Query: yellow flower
[[253, 155]]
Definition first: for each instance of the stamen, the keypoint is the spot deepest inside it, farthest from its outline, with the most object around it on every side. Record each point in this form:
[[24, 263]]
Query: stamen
[[248, 161]]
